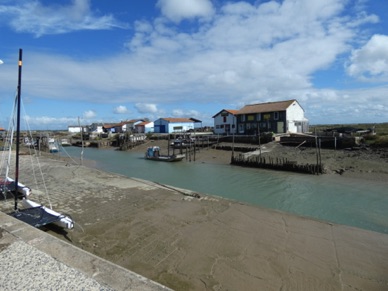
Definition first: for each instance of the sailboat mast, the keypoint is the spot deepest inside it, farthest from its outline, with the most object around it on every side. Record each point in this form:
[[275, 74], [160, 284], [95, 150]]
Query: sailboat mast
[[18, 129]]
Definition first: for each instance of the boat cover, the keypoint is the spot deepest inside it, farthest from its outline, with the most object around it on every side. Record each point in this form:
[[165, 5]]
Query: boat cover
[[35, 216]]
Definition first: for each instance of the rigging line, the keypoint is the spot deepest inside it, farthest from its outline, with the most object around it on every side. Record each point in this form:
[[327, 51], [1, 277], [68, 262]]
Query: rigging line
[[6, 154], [29, 136], [8, 143], [37, 160], [10, 135]]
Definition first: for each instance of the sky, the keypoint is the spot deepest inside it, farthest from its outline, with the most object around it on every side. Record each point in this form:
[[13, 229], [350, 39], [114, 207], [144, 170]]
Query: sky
[[109, 61]]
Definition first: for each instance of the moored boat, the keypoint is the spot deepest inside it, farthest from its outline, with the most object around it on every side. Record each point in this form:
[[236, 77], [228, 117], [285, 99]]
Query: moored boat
[[153, 153], [65, 142]]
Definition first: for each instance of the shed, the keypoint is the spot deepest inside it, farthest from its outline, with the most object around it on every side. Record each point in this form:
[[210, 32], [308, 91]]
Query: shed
[[174, 125]]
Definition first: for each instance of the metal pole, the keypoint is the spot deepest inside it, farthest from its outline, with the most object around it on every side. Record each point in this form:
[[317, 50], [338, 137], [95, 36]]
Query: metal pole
[[18, 128]]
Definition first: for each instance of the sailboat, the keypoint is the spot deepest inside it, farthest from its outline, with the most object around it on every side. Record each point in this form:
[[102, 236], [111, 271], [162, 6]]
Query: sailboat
[[32, 213]]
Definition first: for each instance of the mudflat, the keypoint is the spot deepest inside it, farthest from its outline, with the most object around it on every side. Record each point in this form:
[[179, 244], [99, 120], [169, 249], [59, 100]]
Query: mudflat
[[207, 243], [363, 163]]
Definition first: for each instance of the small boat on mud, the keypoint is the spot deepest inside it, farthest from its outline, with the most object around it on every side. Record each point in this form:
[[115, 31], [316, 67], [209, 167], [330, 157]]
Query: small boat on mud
[[65, 142], [53, 146], [153, 153]]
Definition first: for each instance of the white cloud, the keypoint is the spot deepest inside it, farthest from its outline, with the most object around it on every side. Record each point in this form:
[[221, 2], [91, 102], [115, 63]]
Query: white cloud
[[245, 53], [370, 62], [120, 110], [38, 19], [246, 62], [47, 122], [146, 108], [186, 113], [89, 114], [177, 10]]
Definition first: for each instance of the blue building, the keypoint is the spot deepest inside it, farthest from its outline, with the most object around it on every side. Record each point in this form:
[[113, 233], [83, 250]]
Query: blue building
[[175, 125]]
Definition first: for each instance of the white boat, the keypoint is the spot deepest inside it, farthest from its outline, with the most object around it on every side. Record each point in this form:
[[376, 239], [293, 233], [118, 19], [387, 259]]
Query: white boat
[[33, 213], [153, 153], [53, 147], [46, 215], [65, 142], [9, 183]]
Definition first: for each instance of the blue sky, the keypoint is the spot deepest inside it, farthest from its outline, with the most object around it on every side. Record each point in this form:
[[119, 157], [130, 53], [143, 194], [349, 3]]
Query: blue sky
[[108, 61]]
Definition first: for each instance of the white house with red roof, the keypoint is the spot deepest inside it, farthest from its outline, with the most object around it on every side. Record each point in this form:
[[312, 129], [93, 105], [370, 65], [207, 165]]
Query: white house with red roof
[[144, 127], [225, 122]]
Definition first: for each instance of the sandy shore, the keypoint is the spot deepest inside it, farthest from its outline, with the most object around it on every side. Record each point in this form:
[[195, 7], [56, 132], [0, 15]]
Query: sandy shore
[[207, 244]]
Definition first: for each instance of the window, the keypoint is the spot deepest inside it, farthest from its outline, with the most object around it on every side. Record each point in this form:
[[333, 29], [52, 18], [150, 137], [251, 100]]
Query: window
[[250, 117], [258, 117], [241, 128], [276, 115], [242, 118], [224, 119]]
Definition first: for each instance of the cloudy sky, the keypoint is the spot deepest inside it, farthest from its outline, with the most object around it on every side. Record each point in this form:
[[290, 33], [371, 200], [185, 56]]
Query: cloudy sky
[[107, 61]]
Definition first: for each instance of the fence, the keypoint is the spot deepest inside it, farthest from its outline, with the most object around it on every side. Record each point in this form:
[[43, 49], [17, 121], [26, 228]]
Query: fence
[[280, 164]]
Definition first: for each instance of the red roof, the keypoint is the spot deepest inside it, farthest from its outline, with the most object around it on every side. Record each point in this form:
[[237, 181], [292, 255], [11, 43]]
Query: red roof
[[231, 111], [143, 123]]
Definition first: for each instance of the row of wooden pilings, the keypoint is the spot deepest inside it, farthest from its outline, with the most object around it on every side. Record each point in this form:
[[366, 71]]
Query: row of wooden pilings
[[280, 164]]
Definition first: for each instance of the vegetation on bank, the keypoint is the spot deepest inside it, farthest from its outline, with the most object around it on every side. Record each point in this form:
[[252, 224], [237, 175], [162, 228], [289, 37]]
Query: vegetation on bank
[[378, 140]]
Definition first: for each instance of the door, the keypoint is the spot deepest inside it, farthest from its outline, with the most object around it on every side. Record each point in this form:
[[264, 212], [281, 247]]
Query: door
[[280, 127]]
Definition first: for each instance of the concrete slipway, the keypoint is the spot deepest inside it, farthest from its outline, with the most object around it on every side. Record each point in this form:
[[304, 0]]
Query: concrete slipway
[[31, 259]]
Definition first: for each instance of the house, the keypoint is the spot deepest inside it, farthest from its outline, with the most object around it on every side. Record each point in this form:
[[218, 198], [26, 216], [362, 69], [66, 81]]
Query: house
[[77, 128], [112, 127], [278, 117], [225, 122], [172, 125], [96, 128], [144, 127], [130, 125]]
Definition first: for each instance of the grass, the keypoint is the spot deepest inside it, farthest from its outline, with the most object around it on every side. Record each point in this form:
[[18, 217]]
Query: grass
[[380, 139]]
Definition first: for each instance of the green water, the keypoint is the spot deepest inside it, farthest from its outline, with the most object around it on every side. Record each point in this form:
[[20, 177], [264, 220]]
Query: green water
[[331, 198]]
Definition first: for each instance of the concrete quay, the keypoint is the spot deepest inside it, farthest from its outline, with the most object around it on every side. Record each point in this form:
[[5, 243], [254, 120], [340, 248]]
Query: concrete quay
[[31, 259]]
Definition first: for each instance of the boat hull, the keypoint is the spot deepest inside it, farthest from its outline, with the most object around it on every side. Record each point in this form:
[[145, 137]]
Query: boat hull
[[60, 220], [173, 158]]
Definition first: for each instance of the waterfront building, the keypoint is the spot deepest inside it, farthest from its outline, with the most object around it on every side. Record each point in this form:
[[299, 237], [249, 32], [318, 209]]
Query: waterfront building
[[277, 117], [175, 125], [225, 122]]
